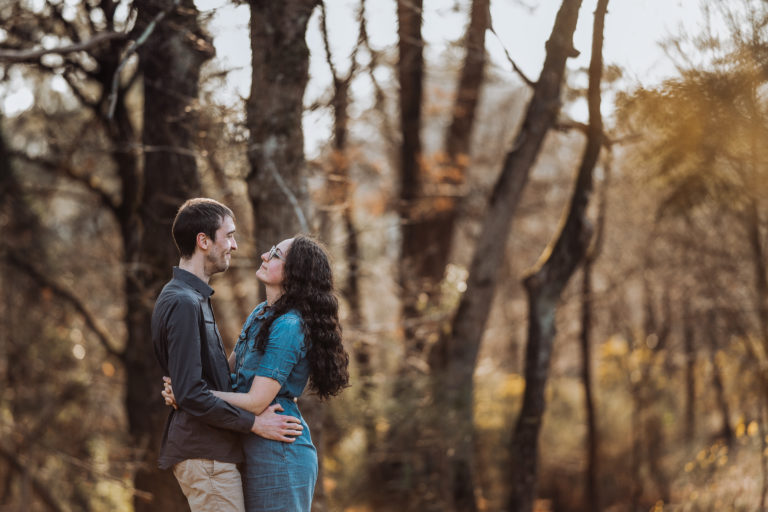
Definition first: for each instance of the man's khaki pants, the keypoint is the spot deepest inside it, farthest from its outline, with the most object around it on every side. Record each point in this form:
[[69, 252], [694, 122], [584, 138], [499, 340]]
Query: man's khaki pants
[[210, 485]]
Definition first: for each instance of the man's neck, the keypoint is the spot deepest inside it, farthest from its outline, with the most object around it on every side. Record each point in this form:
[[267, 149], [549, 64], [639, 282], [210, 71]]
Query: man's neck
[[195, 266]]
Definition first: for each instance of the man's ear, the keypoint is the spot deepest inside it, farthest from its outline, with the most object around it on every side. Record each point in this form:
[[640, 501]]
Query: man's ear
[[202, 241]]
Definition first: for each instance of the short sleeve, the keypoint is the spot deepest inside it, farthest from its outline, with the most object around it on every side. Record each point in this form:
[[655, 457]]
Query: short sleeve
[[285, 347]]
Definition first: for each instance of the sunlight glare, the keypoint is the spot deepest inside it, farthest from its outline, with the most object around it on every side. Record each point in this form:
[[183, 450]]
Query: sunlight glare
[[18, 101], [78, 351], [59, 85]]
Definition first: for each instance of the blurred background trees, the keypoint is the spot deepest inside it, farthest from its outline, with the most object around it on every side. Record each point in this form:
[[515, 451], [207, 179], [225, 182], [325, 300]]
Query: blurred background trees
[[546, 310]]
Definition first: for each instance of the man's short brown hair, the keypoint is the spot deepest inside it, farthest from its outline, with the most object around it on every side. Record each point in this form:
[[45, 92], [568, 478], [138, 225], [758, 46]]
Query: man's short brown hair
[[198, 215]]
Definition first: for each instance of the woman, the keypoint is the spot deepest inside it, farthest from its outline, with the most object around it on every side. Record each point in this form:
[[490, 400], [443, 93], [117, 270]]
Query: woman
[[291, 338]]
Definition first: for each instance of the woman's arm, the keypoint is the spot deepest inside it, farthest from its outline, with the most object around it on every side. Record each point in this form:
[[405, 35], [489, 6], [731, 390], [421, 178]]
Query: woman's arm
[[263, 391]]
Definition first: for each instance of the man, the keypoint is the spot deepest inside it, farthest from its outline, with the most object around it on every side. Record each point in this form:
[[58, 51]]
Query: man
[[201, 441]]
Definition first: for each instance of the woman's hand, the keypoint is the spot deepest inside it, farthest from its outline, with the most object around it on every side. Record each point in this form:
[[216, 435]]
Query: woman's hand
[[167, 393]]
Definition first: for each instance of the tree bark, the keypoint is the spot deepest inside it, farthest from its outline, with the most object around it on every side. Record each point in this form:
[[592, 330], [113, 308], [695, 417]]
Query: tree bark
[[170, 62], [545, 284], [430, 205], [587, 303], [726, 431], [410, 68], [342, 191], [277, 183], [280, 62], [455, 354], [690, 372], [438, 226]]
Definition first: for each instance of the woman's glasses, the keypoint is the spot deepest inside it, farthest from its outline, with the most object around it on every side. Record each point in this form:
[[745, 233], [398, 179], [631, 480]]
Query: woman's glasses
[[274, 252]]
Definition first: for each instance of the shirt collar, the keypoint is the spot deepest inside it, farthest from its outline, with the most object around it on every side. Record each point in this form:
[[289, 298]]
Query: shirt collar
[[263, 310], [193, 281]]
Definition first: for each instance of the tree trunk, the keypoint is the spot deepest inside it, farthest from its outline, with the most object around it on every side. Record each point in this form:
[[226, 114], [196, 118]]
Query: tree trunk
[[763, 457], [752, 225], [341, 171], [430, 204], [587, 303], [593, 496], [440, 218], [454, 356], [726, 432], [545, 284], [459, 135], [170, 63], [342, 191], [690, 372], [411, 75], [636, 458], [277, 183]]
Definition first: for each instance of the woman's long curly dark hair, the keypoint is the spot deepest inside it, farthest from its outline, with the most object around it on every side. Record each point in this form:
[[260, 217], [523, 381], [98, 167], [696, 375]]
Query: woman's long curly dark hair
[[308, 285]]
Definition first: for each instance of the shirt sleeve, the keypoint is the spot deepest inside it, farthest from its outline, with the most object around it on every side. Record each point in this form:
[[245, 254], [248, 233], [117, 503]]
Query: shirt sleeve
[[285, 347], [186, 371]]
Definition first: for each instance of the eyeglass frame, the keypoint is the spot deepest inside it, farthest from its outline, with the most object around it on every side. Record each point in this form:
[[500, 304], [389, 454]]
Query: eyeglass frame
[[275, 252]]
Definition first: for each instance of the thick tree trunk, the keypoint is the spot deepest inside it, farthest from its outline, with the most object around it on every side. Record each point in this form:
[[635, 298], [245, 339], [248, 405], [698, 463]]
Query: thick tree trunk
[[277, 183], [170, 63], [545, 284], [454, 356], [280, 62]]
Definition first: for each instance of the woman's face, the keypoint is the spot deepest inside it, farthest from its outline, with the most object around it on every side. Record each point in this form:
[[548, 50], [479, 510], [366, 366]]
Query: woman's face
[[272, 264]]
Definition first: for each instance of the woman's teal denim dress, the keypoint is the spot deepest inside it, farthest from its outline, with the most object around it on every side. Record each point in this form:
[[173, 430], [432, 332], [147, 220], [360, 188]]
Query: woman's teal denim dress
[[277, 476]]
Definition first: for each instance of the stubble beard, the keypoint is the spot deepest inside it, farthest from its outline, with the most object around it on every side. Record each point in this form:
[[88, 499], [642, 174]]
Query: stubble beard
[[220, 263]]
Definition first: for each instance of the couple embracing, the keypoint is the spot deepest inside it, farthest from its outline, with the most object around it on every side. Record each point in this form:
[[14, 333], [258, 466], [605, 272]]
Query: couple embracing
[[241, 408]]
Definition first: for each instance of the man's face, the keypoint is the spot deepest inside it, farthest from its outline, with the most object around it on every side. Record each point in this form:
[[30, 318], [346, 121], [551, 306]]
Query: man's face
[[220, 250]]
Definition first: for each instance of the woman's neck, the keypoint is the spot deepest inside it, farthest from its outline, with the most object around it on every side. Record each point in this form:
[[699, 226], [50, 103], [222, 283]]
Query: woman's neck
[[273, 294]]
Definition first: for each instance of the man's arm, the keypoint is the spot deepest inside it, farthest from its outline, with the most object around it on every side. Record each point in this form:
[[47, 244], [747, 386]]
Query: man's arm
[[185, 368]]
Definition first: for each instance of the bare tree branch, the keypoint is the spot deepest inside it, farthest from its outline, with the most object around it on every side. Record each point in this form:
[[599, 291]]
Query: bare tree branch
[[326, 44], [379, 94], [90, 320], [608, 142], [269, 150], [135, 45], [57, 167], [69, 77], [528, 81], [58, 15], [95, 470], [34, 55]]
